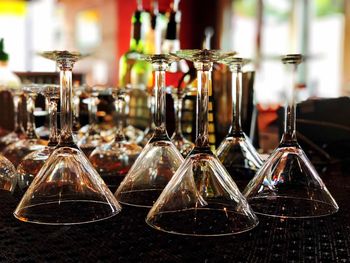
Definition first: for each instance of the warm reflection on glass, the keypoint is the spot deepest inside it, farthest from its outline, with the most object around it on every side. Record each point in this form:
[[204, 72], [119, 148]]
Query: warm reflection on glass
[[236, 152], [113, 160], [67, 189], [32, 163], [201, 199], [287, 185], [159, 159], [16, 151]]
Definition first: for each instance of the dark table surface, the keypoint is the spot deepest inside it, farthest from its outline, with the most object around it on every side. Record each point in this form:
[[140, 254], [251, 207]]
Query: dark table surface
[[127, 238]]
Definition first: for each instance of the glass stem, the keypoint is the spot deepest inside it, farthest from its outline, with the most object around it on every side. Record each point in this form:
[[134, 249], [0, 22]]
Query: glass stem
[[76, 103], [53, 138], [289, 135], [159, 102], [31, 134], [17, 121], [66, 136], [93, 114], [178, 103], [150, 103], [204, 82], [236, 127], [119, 108]]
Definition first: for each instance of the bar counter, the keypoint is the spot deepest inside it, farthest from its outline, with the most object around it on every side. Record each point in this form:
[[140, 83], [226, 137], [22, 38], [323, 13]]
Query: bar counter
[[127, 238]]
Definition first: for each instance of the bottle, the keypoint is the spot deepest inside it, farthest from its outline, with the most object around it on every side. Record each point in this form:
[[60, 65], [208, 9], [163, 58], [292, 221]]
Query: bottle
[[136, 75], [7, 78], [128, 63], [171, 44], [9, 82]]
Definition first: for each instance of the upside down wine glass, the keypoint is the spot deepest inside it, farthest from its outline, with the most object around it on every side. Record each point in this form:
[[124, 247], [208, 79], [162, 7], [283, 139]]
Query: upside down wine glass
[[113, 160], [32, 163], [182, 144], [236, 152], [287, 185], [93, 136], [159, 159], [18, 132], [67, 190], [16, 151], [202, 199]]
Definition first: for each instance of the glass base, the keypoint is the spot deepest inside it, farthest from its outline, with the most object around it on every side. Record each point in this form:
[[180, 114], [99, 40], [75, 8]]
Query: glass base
[[202, 222], [290, 207], [66, 212], [141, 198], [67, 190], [153, 169], [202, 199], [240, 159], [287, 185], [114, 160], [15, 152]]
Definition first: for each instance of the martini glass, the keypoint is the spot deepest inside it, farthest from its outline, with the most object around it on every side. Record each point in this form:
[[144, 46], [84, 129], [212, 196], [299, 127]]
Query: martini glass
[[202, 199], [32, 163], [113, 160], [16, 151], [236, 152], [182, 144], [67, 190], [148, 132], [159, 159], [77, 91], [18, 132], [93, 137], [8, 175], [287, 185]]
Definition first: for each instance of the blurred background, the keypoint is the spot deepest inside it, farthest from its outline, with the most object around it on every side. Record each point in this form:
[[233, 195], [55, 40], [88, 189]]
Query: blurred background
[[258, 29]]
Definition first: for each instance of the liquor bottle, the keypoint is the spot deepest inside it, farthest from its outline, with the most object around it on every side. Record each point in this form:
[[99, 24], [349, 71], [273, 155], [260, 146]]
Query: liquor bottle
[[7, 77], [137, 46], [10, 82], [136, 75], [171, 44]]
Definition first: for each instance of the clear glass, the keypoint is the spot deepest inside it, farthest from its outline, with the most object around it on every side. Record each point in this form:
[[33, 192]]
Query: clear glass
[[67, 190], [18, 132], [16, 151], [287, 185], [132, 133], [148, 132], [44, 130], [236, 152], [202, 199], [33, 162], [8, 175], [182, 144], [93, 137], [113, 160], [159, 159]]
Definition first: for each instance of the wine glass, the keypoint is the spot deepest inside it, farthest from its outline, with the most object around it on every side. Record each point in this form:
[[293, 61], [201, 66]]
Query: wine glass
[[287, 185], [148, 132], [16, 151], [236, 152], [93, 137], [113, 160], [182, 144], [132, 98], [202, 199], [159, 159], [8, 175], [32, 163], [67, 190], [18, 131]]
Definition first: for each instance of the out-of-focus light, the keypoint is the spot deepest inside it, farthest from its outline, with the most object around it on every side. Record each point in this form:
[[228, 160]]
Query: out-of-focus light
[[14, 7]]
